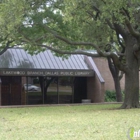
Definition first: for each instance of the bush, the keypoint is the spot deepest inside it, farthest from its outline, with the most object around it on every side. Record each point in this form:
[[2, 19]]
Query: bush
[[110, 96]]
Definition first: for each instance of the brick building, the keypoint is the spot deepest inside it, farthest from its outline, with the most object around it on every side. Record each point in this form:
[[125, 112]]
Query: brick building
[[103, 68], [75, 79]]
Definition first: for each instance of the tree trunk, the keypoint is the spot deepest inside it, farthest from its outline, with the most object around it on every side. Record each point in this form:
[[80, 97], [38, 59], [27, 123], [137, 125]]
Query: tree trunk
[[115, 74], [131, 77], [44, 84], [43, 89], [131, 90], [118, 89]]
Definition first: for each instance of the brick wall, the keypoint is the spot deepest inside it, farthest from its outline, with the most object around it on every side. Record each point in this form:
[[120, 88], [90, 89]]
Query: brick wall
[[102, 66], [95, 89]]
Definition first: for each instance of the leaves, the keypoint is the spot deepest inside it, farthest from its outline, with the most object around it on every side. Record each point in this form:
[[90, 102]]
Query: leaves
[[33, 22]]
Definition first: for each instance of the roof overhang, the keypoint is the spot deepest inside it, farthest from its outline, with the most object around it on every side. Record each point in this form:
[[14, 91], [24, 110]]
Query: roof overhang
[[18, 62]]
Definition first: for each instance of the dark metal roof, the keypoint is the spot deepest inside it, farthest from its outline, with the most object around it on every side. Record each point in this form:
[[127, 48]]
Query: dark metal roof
[[17, 61]]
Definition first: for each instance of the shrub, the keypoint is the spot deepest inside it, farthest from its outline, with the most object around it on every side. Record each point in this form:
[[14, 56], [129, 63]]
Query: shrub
[[110, 96]]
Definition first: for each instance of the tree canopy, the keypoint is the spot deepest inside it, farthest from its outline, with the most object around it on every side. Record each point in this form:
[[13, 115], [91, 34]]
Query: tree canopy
[[112, 28], [68, 25]]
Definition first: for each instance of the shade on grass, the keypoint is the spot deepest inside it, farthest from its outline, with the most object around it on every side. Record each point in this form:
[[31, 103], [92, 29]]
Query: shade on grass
[[85, 122]]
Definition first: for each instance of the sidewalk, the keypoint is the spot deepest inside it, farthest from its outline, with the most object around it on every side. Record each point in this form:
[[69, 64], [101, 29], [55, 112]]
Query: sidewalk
[[50, 105]]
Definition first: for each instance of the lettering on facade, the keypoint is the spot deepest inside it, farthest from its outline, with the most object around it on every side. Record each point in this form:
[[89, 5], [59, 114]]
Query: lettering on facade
[[35, 73], [67, 73], [46, 73], [13, 72], [51, 73], [82, 73]]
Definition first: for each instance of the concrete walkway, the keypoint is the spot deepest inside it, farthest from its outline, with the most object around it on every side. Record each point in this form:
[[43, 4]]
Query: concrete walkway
[[50, 105]]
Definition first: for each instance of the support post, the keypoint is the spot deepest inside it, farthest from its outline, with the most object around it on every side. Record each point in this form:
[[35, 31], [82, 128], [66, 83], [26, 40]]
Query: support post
[[43, 89], [26, 90], [57, 90]]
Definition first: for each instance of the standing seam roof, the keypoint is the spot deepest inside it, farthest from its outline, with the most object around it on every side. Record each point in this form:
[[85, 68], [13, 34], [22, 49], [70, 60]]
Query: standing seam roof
[[19, 58]]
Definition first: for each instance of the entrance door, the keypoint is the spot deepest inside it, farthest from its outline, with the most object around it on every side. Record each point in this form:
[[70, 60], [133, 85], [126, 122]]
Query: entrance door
[[80, 89], [11, 90]]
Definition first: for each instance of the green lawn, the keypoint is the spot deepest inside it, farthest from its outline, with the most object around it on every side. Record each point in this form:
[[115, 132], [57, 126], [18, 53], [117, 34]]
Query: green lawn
[[85, 122]]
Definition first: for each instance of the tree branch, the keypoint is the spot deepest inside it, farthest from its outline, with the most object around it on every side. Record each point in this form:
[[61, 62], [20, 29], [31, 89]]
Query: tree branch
[[128, 24], [107, 54], [121, 44], [110, 24], [117, 63], [69, 52], [122, 51], [120, 30], [74, 43], [121, 75], [6, 47], [131, 29], [99, 52]]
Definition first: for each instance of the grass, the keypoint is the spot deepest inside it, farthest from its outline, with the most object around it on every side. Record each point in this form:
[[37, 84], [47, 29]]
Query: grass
[[85, 122]]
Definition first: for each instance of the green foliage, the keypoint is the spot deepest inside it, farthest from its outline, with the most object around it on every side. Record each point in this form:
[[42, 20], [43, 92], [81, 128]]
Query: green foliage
[[11, 15], [71, 25], [33, 22], [110, 96]]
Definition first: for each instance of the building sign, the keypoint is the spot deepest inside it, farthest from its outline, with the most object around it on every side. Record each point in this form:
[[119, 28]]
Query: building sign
[[46, 73]]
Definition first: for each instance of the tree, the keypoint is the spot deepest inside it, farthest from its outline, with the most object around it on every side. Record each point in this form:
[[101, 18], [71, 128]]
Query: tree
[[74, 26], [116, 77], [44, 84]]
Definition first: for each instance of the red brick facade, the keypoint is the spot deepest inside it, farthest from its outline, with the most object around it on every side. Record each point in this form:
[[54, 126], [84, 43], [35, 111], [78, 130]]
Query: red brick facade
[[103, 68], [95, 89]]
